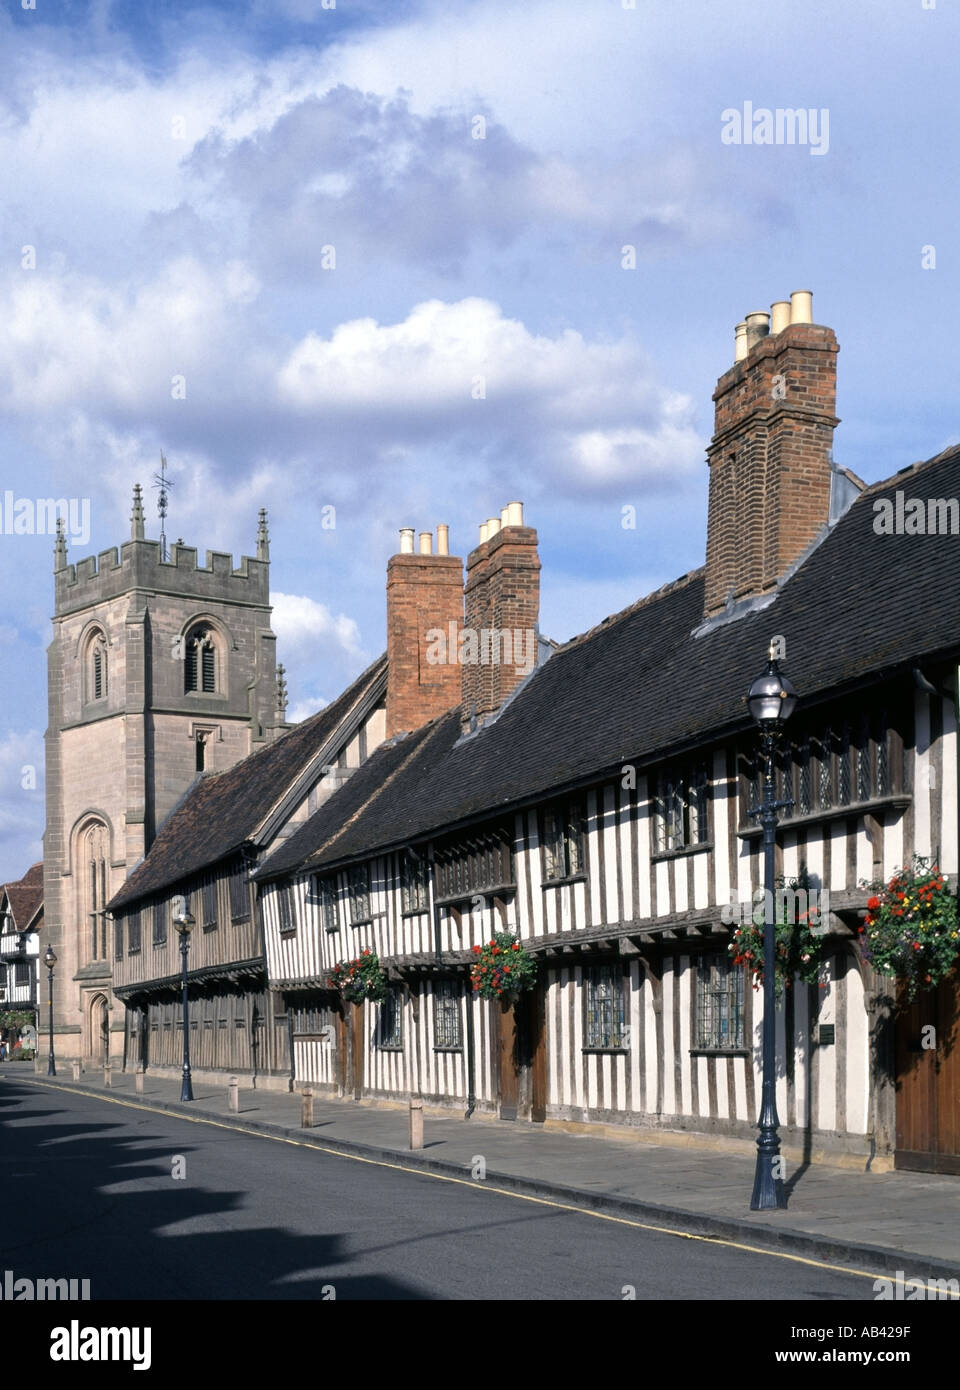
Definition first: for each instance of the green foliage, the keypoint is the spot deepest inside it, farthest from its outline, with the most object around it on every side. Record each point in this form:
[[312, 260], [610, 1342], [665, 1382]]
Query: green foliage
[[361, 978], [501, 966], [798, 944], [910, 929]]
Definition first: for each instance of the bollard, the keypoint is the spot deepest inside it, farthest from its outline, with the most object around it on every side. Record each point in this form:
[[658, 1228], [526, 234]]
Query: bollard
[[233, 1092], [106, 1074], [76, 1069], [138, 1080], [306, 1109], [416, 1124]]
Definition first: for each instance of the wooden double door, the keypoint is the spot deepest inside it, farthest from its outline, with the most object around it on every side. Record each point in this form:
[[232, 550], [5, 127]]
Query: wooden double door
[[521, 1052], [928, 1079]]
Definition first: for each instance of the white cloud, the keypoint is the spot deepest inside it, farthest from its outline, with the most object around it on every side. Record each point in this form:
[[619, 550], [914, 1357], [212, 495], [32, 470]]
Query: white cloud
[[301, 624], [464, 369]]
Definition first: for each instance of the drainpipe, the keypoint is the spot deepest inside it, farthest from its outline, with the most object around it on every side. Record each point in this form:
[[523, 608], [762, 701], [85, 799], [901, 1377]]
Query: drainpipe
[[471, 1055]]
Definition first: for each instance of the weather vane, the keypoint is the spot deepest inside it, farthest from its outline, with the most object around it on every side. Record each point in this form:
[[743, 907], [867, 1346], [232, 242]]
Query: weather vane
[[161, 481]]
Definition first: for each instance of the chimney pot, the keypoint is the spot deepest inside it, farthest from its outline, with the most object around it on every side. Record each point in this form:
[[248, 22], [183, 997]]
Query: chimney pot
[[758, 326], [426, 542], [740, 342], [801, 306], [443, 539], [504, 512], [493, 526], [779, 315], [483, 532], [406, 540], [514, 512]]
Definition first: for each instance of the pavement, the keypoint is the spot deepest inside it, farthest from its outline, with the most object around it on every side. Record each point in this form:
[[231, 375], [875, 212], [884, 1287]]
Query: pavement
[[883, 1222]]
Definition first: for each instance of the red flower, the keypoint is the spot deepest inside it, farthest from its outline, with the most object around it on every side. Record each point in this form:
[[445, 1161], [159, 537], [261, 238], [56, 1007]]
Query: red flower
[[873, 904], [477, 950]]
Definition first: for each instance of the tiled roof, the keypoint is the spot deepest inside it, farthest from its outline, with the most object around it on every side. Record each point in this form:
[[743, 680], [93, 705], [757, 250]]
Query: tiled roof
[[641, 685], [25, 895], [221, 810]]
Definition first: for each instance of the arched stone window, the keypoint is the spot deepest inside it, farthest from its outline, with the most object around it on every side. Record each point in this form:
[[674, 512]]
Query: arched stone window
[[95, 666], [92, 863], [203, 661]]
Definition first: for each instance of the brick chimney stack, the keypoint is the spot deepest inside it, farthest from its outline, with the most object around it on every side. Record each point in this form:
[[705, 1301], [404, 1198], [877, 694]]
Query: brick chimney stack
[[502, 612], [770, 457], [424, 598]]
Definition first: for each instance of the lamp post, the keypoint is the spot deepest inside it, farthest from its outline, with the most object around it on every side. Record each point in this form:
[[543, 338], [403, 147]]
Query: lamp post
[[772, 700], [50, 960], [184, 924]]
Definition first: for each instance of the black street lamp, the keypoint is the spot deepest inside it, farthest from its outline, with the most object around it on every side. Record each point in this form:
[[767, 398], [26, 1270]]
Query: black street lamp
[[50, 960], [772, 700], [184, 924]]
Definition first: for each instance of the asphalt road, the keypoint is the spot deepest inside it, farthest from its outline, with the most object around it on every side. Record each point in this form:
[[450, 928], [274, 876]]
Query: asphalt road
[[146, 1205]]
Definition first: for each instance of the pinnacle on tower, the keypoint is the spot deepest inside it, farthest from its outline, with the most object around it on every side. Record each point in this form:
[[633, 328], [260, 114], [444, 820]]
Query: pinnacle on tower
[[136, 516], [282, 692], [263, 537], [60, 548]]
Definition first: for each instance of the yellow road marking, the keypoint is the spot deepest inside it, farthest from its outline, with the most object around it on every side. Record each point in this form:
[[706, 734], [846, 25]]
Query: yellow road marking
[[475, 1186]]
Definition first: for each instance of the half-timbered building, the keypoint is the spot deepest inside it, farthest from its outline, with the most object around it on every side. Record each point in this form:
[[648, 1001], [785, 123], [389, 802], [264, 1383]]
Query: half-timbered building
[[596, 804], [205, 852], [21, 917]]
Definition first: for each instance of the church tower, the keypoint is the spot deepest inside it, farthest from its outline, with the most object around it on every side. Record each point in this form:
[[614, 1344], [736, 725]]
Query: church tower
[[159, 669]]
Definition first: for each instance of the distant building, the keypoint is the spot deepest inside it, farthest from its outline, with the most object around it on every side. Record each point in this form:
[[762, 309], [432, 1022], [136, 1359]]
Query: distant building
[[21, 918]]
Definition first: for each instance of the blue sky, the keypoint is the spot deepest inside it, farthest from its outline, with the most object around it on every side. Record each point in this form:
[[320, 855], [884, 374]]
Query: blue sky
[[179, 170]]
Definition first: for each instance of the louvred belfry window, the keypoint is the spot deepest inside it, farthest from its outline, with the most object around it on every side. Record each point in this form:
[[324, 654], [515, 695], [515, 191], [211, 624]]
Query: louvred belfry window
[[200, 663]]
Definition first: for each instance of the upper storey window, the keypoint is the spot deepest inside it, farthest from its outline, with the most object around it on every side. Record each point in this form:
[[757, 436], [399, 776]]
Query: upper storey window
[[95, 666], [202, 672]]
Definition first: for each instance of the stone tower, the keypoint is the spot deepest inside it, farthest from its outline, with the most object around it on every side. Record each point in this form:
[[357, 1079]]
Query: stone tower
[[158, 670]]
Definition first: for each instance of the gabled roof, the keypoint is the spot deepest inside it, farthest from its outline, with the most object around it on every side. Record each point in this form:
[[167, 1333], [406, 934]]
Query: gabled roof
[[25, 896], [223, 810], [642, 685]]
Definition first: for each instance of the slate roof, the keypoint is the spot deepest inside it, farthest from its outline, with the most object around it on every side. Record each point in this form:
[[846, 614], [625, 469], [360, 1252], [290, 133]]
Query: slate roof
[[642, 686], [25, 896], [221, 810]]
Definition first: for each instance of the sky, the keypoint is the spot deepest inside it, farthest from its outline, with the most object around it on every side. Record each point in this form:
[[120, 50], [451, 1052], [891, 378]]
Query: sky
[[369, 255]]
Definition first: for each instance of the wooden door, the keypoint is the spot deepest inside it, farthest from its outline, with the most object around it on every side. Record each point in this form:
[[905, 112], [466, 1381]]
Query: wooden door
[[928, 1080], [537, 1051], [506, 1033], [355, 1082]]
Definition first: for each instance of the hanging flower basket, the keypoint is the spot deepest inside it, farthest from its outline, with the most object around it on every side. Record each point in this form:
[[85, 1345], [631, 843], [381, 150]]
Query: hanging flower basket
[[502, 967], [359, 979], [798, 944], [910, 929]]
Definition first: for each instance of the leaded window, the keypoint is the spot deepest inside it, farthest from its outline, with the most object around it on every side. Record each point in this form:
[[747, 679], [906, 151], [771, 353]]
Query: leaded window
[[414, 877], [159, 922], [208, 901], [133, 931], [841, 763], [562, 836], [358, 884], [327, 894], [118, 938], [603, 1023], [21, 972], [719, 1004], [239, 895], [285, 909], [446, 1014], [681, 808], [390, 1018], [477, 863]]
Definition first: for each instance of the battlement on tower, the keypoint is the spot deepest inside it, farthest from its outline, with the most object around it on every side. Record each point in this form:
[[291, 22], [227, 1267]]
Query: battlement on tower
[[138, 565]]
